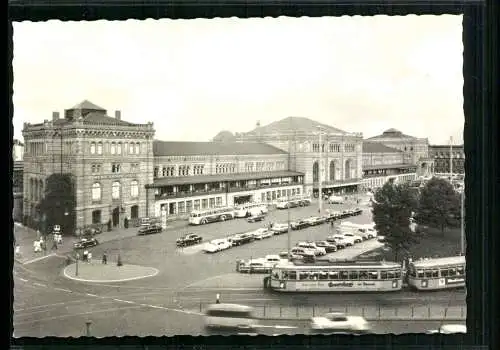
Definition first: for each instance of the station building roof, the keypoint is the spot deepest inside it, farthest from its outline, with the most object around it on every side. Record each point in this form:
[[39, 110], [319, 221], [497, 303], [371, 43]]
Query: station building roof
[[389, 166], [376, 147], [182, 148], [293, 124]]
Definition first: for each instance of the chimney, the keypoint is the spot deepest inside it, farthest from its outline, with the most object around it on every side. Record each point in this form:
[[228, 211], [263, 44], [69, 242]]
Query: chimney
[[55, 116], [118, 115]]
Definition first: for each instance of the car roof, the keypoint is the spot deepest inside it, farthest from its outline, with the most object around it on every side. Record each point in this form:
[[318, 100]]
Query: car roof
[[229, 307]]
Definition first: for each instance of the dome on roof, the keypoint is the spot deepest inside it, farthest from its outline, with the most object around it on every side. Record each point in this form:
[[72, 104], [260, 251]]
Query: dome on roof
[[392, 131], [224, 136]]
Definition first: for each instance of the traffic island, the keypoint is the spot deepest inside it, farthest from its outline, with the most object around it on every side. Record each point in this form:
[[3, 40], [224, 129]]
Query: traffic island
[[96, 272]]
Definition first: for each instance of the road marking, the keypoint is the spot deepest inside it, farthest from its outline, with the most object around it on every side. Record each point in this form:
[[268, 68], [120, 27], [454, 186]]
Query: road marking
[[22, 279], [285, 327], [40, 284], [92, 295], [154, 273], [38, 259], [50, 305], [206, 280], [63, 290], [124, 301]]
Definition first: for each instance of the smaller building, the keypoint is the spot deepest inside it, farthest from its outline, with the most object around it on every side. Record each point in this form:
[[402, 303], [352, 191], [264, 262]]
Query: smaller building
[[442, 154], [17, 191], [382, 164]]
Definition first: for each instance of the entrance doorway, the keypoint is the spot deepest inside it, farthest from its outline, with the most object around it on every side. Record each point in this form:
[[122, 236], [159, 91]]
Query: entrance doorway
[[134, 212], [96, 217], [116, 216]]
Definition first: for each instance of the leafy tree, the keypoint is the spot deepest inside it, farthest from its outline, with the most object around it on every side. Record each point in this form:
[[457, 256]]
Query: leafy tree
[[392, 208], [58, 205], [439, 205]]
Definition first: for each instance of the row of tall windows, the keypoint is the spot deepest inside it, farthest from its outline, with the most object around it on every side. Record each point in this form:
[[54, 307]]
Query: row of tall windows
[[115, 168], [116, 148], [225, 168], [116, 190], [186, 207]]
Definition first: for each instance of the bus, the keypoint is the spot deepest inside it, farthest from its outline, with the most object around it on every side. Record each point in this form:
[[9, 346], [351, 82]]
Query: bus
[[340, 276], [204, 216], [293, 202], [250, 209], [438, 273]]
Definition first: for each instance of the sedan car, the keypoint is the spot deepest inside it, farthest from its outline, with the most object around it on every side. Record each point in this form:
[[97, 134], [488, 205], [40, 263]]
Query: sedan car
[[335, 322], [256, 218], [188, 239], [315, 220], [340, 244], [279, 228], [85, 243], [262, 233], [150, 229], [329, 247], [298, 225], [241, 239]]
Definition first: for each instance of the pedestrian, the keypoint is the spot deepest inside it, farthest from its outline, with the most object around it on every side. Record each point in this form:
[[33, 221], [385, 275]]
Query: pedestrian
[[104, 258], [44, 247], [54, 245], [85, 255], [18, 250], [217, 298], [89, 257]]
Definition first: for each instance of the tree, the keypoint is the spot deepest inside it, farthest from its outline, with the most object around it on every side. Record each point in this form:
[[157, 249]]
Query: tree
[[58, 204], [439, 205], [392, 208]]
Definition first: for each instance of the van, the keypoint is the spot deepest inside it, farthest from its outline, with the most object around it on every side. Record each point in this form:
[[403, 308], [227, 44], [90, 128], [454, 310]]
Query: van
[[335, 200], [230, 317]]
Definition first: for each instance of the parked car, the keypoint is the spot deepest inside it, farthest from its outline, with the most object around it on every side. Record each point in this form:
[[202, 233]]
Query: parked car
[[348, 241], [279, 228], [340, 244], [301, 251], [241, 239], [262, 233], [318, 251], [150, 229], [335, 200], [334, 322], [315, 220], [256, 218], [329, 247], [188, 239], [87, 242], [217, 245], [304, 202], [298, 225], [357, 211], [355, 238]]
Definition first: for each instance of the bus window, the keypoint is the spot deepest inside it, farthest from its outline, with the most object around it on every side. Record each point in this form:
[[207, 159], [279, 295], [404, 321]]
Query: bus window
[[412, 272], [420, 274], [444, 273], [292, 275], [353, 275], [460, 270], [397, 273], [323, 275], [452, 271], [373, 275], [428, 273], [391, 275], [363, 275], [343, 275], [285, 275], [435, 273], [383, 275], [303, 275], [313, 276], [333, 275]]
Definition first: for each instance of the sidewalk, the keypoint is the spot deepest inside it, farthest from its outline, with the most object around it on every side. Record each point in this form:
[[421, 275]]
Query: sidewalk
[[25, 237]]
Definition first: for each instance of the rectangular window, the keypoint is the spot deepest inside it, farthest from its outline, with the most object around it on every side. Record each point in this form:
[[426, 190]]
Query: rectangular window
[[212, 202], [189, 206], [92, 148], [181, 207], [115, 168], [204, 203], [218, 201], [99, 148], [353, 275], [197, 204]]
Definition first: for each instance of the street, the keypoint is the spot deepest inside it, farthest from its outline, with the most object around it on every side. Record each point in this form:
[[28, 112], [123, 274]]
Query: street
[[172, 302]]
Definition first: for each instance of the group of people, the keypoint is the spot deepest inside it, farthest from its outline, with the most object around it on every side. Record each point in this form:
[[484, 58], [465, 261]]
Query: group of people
[[40, 244]]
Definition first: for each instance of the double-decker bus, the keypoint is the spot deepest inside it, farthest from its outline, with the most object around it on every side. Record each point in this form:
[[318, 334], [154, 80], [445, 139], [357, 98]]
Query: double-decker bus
[[204, 216], [439, 273], [249, 209], [343, 276]]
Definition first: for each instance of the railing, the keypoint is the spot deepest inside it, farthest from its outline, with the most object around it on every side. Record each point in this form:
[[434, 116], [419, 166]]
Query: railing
[[371, 313]]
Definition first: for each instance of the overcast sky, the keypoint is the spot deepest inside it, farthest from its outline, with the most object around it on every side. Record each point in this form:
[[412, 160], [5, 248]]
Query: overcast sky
[[193, 78]]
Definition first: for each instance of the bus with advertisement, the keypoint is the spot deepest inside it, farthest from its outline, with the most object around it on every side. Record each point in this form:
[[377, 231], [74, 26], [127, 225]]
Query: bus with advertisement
[[437, 273], [205, 216], [250, 209], [338, 276]]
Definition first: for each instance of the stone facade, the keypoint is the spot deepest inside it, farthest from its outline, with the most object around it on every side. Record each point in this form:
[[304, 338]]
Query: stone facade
[[102, 154], [441, 156], [340, 152]]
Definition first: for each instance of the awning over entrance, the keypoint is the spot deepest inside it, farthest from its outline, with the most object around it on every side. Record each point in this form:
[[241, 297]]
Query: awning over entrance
[[188, 180], [337, 184]]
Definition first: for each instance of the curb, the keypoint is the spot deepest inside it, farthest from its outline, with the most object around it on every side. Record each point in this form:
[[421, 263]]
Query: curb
[[156, 272], [373, 319]]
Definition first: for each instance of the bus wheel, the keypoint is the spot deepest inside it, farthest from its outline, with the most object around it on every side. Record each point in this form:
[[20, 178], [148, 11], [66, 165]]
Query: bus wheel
[[223, 218], [203, 222]]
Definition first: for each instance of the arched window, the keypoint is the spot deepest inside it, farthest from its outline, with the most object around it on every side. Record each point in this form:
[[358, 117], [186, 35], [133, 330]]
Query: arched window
[[347, 174], [333, 169], [96, 192], [99, 148], [134, 189], [115, 190], [113, 148], [131, 148], [119, 148], [315, 171], [92, 148], [137, 148]]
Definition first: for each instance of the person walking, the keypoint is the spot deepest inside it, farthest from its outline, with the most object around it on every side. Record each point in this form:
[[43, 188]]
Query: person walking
[[104, 258], [217, 298], [18, 250], [54, 244], [85, 255], [89, 257]]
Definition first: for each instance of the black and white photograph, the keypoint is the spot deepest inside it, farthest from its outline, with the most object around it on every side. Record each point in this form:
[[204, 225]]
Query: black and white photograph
[[262, 176]]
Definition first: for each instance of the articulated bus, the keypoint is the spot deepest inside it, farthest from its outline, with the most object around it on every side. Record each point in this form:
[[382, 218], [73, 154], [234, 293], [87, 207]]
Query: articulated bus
[[249, 209], [340, 276], [201, 217], [439, 273]]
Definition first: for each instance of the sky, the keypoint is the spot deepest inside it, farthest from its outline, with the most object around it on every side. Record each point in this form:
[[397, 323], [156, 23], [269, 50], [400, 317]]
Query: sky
[[194, 78]]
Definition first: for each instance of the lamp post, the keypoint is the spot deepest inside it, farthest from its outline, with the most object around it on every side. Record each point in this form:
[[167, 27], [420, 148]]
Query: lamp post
[[320, 190]]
